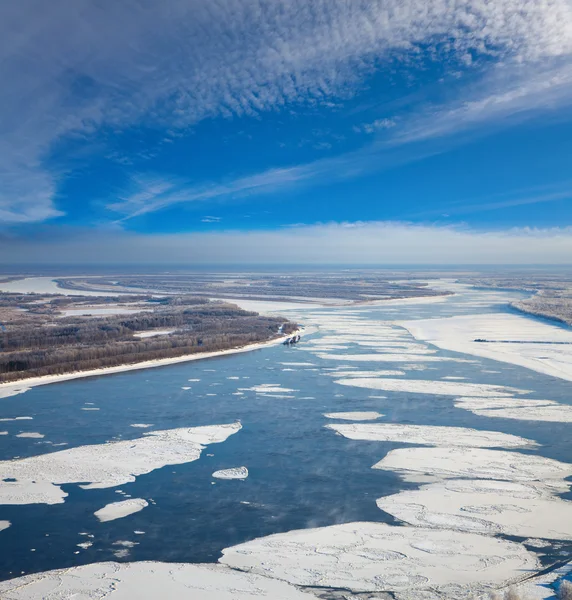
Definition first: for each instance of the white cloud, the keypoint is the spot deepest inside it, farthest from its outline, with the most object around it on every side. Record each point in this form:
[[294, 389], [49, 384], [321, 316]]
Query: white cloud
[[81, 64], [374, 243]]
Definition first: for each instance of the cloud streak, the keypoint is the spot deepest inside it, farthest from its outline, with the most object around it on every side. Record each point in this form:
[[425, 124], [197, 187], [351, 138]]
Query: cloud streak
[[82, 66]]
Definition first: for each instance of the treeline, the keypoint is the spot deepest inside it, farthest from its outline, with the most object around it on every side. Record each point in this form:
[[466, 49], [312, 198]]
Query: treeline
[[557, 307], [80, 343]]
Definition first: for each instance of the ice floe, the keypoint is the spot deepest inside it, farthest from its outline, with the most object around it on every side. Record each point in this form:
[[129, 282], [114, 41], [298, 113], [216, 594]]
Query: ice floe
[[346, 373], [4, 525], [354, 416], [515, 339], [488, 507], [386, 357], [375, 557], [30, 434], [517, 408], [37, 479], [429, 435], [16, 419], [148, 581], [141, 425], [118, 510], [416, 464], [234, 473], [426, 386]]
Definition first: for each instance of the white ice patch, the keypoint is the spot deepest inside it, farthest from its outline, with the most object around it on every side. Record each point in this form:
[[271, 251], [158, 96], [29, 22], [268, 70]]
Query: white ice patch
[[148, 581], [118, 510], [234, 473], [386, 357], [510, 338], [416, 464], [16, 419], [429, 435], [366, 374], [375, 557], [141, 425], [507, 508], [4, 525], [30, 434], [269, 389], [105, 465], [354, 416], [517, 408], [425, 386]]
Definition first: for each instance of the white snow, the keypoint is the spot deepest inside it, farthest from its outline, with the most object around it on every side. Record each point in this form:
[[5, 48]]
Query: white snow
[[415, 464], [105, 465], [234, 473], [354, 416], [156, 332], [118, 510], [517, 408], [424, 386], [495, 507], [375, 557], [148, 581], [17, 419], [429, 435], [4, 525], [501, 331], [30, 434], [141, 425]]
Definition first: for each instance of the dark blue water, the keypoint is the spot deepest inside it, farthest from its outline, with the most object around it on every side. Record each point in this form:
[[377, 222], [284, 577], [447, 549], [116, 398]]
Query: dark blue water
[[300, 474]]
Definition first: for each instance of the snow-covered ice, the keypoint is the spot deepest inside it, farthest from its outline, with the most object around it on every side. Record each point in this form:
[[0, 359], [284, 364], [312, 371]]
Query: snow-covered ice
[[425, 386], [148, 581], [375, 557], [354, 416], [118, 510], [37, 478], [234, 473], [429, 435]]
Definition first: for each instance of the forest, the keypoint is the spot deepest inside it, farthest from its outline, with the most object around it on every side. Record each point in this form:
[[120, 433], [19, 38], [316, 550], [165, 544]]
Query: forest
[[38, 340]]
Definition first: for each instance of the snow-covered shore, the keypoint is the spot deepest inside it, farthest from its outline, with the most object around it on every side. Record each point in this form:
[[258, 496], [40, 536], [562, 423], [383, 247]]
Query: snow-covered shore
[[18, 387]]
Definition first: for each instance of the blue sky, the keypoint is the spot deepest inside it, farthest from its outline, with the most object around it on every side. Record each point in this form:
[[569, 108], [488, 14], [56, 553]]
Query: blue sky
[[216, 130]]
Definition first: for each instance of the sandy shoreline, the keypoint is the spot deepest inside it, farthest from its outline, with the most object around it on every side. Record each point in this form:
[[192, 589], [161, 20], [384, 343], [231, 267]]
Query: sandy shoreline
[[12, 388]]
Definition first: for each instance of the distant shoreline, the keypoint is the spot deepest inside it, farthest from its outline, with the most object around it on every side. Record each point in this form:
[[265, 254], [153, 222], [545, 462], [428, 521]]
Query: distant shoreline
[[13, 388]]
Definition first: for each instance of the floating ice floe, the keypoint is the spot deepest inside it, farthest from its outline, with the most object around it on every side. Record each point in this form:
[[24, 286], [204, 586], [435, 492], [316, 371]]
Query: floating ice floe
[[357, 373], [37, 479], [425, 386], [354, 416], [30, 434], [510, 338], [141, 425], [517, 408], [271, 390], [375, 557], [419, 464], [4, 525], [429, 435], [298, 364], [488, 507], [387, 357], [16, 419], [148, 581], [234, 473], [118, 510]]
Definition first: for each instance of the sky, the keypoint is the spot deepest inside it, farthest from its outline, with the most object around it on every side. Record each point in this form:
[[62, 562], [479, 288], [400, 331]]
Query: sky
[[286, 131]]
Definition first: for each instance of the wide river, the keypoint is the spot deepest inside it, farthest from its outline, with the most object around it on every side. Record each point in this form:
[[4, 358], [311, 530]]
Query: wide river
[[301, 474]]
